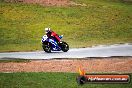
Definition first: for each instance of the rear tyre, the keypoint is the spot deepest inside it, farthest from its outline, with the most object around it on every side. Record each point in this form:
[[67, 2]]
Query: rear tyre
[[64, 46], [46, 47]]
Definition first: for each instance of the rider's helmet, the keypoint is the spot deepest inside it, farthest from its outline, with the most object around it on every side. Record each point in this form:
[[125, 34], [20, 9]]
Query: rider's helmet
[[47, 30]]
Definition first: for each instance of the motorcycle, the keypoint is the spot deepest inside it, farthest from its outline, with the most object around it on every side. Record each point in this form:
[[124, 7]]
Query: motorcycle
[[50, 44]]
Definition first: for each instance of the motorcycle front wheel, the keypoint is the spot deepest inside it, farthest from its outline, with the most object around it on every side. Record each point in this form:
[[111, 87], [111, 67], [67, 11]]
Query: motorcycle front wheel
[[64, 46]]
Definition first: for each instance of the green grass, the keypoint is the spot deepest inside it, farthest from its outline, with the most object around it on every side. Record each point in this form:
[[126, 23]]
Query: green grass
[[49, 80], [100, 22]]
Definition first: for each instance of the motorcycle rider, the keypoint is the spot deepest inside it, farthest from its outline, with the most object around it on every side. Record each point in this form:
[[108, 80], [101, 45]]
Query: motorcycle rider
[[52, 34]]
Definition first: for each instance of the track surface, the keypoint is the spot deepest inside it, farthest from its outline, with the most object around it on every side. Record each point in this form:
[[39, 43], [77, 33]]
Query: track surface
[[97, 51]]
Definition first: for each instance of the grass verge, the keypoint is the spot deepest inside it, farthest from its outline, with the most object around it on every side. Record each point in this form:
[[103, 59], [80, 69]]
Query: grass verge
[[14, 60], [99, 22], [49, 80]]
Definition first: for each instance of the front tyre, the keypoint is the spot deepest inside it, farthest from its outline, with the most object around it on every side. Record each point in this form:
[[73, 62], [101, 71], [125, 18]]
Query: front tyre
[[46, 47], [64, 46]]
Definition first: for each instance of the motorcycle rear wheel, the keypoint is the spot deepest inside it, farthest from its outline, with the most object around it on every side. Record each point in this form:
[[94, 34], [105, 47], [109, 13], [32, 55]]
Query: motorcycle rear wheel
[[46, 47]]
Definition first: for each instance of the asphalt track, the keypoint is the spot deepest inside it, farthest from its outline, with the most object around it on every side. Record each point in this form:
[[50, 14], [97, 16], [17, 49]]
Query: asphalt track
[[96, 51]]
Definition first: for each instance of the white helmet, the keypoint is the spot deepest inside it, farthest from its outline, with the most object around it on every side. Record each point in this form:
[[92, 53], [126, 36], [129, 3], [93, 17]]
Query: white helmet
[[47, 30]]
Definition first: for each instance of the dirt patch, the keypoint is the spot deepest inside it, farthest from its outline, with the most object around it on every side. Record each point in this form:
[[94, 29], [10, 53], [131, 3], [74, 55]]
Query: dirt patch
[[48, 2], [43, 2], [123, 64]]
